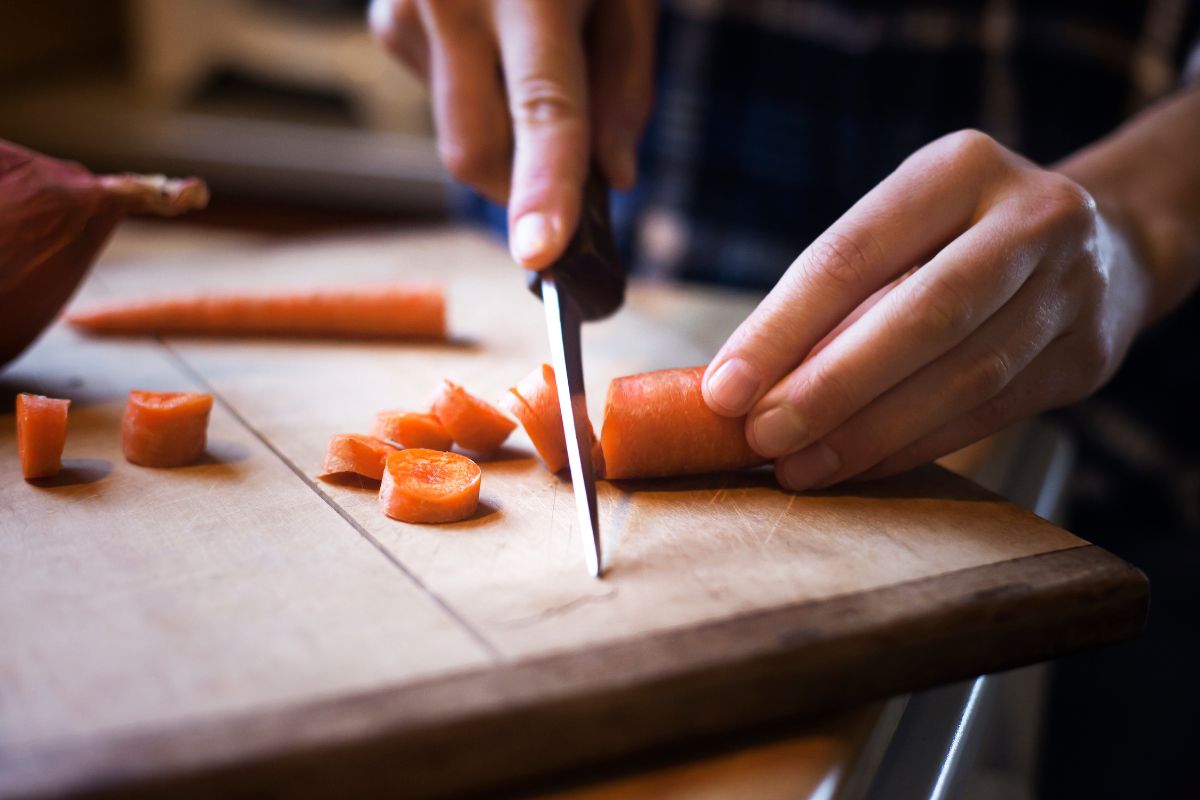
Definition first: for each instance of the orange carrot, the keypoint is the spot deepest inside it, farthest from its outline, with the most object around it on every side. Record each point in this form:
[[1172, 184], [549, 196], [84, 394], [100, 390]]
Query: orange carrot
[[362, 455], [474, 423], [165, 429], [657, 424], [398, 311], [422, 485], [534, 402], [41, 434], [411, 429]]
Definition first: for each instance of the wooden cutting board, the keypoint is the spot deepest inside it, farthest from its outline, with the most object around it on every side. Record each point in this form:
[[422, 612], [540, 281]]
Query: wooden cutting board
[[238, 626]]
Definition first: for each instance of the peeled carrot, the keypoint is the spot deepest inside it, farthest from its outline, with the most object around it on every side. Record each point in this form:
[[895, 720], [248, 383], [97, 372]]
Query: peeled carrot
[[41, 434], [422, 485], [534, 402], [474, 423], [657, 424], [362, 455], [412, 429], [165, 429], [397, 311]]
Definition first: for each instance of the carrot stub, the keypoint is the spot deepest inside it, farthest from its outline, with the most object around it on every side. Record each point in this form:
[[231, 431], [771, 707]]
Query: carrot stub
[[657, 424], [165, 429], [411, 429], [362, 455], [474, 423], [408, 311], [534, 402], [41, 434], [422, 485]]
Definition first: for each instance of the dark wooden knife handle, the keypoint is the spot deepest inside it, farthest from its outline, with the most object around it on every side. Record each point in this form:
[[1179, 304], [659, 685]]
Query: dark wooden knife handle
[[589, 271]]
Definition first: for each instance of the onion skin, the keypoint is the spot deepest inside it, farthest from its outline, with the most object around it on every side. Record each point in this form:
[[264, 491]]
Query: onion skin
[[55, 217]]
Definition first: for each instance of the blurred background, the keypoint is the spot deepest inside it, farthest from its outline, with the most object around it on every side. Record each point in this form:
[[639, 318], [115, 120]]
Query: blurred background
[[285, 101]]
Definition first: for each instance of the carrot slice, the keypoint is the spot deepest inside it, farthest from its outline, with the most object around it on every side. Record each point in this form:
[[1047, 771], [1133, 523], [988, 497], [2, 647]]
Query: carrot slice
[[411, 311], [657, 424], [474, 423], [165, 429], [41, 434], [421, 485], [534, 402], [362, 455], [412, 429]]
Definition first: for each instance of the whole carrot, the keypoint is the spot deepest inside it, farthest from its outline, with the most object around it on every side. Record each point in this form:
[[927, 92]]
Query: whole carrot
[[405, 311], [657, 424]]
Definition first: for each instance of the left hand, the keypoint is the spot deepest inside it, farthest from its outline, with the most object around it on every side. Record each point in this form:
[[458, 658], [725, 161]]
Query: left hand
[[968, 290]]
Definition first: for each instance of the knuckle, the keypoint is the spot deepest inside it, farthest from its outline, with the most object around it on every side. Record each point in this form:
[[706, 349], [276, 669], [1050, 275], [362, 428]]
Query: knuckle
[[970, 148], [989, 372], [825, 391], [1063, 205], [836, 258], [1094, 359], [538, 100], [941, 309]]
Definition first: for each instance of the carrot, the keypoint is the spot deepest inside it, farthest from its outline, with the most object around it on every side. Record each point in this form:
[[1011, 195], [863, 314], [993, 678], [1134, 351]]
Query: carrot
[[534, 402], [411, 429], [165, 429], [657, 424], [474, 423], [422, 485], [41, 434], [362, 455], [398, 311]]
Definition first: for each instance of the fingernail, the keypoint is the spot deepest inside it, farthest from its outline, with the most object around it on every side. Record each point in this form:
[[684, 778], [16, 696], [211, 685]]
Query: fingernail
[[532, 235], [733, 386], [777, 431], [811, 466]]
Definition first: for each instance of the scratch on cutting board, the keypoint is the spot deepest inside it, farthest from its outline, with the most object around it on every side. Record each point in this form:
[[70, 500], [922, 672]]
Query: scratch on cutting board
[[558, 610], [779, 519]]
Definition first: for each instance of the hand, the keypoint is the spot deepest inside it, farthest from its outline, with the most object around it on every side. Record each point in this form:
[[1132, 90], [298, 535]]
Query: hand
[[967, 290], [520, 103]]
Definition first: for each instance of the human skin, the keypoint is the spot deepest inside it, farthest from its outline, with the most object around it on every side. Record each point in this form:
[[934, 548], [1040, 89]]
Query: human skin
[[971, 288]]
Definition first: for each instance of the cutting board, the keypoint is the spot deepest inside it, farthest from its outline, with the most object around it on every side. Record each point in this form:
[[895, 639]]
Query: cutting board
[[238, 626]]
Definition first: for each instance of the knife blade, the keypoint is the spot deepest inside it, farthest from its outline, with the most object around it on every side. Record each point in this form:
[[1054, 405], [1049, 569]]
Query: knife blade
[[586, 283]]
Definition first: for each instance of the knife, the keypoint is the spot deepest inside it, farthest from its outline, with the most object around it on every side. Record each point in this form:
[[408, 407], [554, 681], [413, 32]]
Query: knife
[[585, 284]]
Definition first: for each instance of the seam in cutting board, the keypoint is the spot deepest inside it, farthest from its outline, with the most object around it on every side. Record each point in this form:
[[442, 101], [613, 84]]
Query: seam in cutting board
[[478, 637]]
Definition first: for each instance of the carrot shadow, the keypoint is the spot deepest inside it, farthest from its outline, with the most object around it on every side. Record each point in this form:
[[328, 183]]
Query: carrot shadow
[[76, 472], [483, 513], [351, 480], [223, 451], [499, 455]]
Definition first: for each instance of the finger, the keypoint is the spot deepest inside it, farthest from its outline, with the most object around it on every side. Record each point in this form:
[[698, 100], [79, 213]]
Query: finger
[[544, 72], [397, 25], [900, 222], [473, 131], [963, 379], [923, 317], [857, 314], [621, 66], [1046, 384]]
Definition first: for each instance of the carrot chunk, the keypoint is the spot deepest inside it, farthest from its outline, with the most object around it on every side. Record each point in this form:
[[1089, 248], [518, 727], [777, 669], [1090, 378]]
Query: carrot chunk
[[412, 311], [412, 429], [422, 485], [41, 434], [165, 429], [474, 423], [362, 455], [534, 402], [657, 424]]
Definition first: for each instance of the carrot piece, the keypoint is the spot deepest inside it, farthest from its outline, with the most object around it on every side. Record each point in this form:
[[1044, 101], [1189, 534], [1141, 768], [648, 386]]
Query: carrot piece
[[413, 311], [412, 429], [657, 424], [421, 485], [534, 402], [41, 434], [474, 423], [165, 429], [362, 455]]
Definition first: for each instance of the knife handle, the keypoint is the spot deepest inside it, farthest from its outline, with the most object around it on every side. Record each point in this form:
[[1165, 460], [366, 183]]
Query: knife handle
[[589, 270]]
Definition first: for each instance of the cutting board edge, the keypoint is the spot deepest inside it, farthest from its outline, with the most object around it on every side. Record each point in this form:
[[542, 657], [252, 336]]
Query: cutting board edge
[[456, 732]]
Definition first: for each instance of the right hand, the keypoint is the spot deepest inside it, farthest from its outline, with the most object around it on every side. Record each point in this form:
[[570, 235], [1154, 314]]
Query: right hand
[[522, 102]]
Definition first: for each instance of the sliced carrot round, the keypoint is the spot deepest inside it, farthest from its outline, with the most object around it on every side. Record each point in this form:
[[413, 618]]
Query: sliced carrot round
[[534, 402], [361, 455], [412, 429], [474, 423], [165, 429], [421, 485], [41, 434]]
